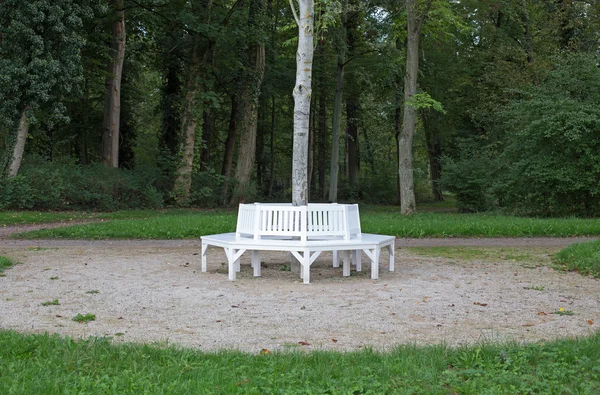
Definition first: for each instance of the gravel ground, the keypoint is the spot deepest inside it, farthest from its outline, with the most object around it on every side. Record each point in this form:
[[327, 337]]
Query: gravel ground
[[153, 292]]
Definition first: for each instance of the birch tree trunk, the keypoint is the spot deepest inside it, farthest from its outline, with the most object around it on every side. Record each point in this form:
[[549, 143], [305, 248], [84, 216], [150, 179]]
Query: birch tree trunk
[[302, 93], [112, 100], [249, 101], [405, 142], [337, 110], [17, 156]]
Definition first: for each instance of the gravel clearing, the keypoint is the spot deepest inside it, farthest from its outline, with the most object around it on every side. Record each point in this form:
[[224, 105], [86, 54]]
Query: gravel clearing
[[153, 292]]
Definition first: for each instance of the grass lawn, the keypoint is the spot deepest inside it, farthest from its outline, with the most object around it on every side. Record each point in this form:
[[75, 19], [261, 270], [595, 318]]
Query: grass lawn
[[51, 364], [178, 224], [581, 257]]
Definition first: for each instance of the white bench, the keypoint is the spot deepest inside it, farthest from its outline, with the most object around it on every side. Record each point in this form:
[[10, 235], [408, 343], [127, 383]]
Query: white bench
[[304, 231]]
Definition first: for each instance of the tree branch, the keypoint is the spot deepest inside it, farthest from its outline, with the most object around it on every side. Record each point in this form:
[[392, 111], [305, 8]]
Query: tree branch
[[294, 12]]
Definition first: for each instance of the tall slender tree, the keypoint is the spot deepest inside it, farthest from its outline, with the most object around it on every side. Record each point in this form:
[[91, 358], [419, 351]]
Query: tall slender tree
[[302, 93], [251, 86], [416, 12], [112, 101]]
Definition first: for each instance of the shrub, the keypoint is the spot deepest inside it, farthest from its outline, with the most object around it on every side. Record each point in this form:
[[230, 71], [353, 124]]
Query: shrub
[[62, 186], [551, 166], [470, 178]]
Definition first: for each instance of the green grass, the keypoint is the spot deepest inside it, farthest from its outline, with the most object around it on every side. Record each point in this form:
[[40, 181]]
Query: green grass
[[51, 364], [581, 257], [82, 319], [5, 263], [54, 302], [181, 224], [8, 218], [521, 254]]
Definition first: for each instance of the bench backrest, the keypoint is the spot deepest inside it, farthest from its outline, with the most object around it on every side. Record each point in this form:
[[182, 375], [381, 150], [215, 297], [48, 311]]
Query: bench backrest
[[284, 220]]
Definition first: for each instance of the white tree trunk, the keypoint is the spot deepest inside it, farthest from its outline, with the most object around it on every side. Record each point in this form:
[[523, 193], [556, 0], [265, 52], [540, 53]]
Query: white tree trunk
[[17, 157], [405, 142], [112, 101], [302, 93]]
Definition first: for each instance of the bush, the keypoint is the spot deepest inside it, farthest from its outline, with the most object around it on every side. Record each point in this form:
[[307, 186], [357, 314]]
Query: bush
[[551, 166], [471, 178], [66, 186]]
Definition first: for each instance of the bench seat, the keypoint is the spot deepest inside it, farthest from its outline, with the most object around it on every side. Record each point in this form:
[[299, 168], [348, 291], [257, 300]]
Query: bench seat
[[306, 251]]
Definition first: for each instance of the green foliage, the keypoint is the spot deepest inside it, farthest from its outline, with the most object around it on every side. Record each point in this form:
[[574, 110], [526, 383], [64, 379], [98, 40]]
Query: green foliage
[[82, 319], [54, 302], [40, 62], [55, 186], [470, 178], [551, 165], [423, 101], [5, 263], [583, 257], [49, 363]]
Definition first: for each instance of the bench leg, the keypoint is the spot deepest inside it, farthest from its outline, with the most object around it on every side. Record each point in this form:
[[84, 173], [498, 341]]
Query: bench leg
[[346, 259], [306, 267], [392, 253], [256, 263], [237, 262], [356, 259], [204, 248], [230, 252], [336, 259], [375, 263]]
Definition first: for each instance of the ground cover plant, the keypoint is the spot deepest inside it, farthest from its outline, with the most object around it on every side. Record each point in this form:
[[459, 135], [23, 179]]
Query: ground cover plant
[[5, 263], [582, 257], [51, 364], [177, 224]]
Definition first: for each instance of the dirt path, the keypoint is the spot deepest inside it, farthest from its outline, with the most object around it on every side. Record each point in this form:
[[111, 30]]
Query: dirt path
[[153, 291]]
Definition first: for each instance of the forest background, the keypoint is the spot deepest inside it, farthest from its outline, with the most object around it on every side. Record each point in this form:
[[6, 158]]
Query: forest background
[[119, 104]]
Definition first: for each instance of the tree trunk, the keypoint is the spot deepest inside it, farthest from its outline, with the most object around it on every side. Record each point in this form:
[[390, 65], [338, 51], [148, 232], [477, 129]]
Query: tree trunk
[[190, 115], [17, 156], [405, 144], [229, 148], [337, 110], [352, 138], [527, 39], [272, 148], [311, 151], [208, 129], [112, 101], [302, 93], [322, 146], [171, 115], [249, 99], [398, 124], [431, 125]]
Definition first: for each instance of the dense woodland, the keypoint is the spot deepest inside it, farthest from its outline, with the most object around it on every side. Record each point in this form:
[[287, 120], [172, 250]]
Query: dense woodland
[[110, 104]]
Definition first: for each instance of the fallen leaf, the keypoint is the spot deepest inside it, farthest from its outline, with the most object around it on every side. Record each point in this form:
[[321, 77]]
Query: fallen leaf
[[480, 304], [528, 325], [542, 313], [590, 322], [334, 340], [303, 343], [265, 351]]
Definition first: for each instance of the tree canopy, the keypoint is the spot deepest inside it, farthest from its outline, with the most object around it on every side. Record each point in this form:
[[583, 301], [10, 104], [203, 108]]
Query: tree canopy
[[495, 102]]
